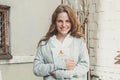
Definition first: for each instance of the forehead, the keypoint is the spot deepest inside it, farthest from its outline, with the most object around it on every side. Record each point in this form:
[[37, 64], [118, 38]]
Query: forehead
[[62, 15]]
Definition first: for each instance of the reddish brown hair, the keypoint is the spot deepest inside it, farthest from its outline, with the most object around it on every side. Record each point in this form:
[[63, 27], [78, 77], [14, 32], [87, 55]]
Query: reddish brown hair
[[75, 25]]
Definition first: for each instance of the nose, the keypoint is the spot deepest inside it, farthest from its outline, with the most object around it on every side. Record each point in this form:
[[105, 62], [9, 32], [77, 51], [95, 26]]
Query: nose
[[63, 24]]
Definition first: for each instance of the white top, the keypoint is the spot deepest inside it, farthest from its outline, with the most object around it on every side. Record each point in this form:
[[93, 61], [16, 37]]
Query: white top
[[61, 51]]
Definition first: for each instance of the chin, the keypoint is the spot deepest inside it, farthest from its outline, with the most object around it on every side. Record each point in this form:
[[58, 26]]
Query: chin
[[64, 33]]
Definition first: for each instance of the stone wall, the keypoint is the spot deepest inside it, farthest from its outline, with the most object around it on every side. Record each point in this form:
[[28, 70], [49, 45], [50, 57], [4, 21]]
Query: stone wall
[[104, 39]]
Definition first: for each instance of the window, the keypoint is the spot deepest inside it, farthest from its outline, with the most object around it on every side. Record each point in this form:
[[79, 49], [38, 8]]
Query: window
[[4, 33]]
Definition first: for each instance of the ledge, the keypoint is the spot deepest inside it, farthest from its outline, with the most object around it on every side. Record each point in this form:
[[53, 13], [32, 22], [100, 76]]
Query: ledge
[[18, 60], [5, 57]]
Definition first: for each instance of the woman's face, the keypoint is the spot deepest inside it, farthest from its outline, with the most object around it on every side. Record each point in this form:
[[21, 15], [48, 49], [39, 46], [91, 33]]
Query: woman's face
[[63, 24]]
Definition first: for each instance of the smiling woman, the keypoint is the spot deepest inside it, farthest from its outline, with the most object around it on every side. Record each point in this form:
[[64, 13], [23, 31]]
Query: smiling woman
[[62, 54]]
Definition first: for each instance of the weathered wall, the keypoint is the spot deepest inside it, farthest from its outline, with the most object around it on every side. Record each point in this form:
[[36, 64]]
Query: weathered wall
[[104, 40], [29, 21]]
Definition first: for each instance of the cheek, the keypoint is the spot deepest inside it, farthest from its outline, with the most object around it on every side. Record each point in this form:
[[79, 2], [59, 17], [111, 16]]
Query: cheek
[[70, 26], [57, 27], [57, 24]]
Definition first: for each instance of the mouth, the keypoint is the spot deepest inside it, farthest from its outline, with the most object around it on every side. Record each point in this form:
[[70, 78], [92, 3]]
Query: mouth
[[63, 29]]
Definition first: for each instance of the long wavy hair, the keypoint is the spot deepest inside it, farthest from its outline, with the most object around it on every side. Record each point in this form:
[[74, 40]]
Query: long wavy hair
[[75, 24]]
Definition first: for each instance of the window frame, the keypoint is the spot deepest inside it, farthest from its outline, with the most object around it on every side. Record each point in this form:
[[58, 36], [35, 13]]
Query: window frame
[[5, 33]]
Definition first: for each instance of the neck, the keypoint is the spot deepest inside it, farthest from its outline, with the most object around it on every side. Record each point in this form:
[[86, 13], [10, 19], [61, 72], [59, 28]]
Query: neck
[[61, 37]]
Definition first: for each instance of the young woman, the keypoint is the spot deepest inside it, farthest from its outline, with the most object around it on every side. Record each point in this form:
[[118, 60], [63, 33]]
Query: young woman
[[62, 54]]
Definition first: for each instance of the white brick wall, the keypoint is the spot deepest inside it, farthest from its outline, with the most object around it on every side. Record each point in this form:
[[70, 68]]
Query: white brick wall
[[104, 38]]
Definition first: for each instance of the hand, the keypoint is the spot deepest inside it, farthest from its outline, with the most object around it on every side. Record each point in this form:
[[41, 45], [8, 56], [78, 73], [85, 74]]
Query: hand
[[70, 64], [53, 74]]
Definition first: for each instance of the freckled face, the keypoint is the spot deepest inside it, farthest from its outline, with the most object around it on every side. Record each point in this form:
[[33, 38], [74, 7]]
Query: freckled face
[[63, 24]]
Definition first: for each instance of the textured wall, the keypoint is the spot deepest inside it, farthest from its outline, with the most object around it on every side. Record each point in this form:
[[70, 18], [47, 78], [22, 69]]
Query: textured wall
[[104, 40]]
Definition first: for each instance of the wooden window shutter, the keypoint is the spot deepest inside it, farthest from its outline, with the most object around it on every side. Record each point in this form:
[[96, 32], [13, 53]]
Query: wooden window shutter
[[4, 33]]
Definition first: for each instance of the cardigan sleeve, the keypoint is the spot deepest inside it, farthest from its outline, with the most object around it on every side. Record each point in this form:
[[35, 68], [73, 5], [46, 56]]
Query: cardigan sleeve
[[40, 68], [81, 67]]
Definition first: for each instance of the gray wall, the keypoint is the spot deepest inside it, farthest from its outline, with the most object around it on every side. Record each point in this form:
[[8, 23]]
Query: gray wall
[[29, 21]]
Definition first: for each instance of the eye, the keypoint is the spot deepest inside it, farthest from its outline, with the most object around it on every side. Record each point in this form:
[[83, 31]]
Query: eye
[[59, 20], [68, 21]]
